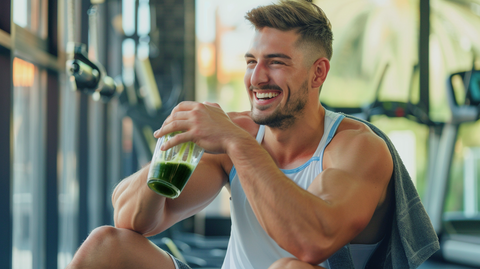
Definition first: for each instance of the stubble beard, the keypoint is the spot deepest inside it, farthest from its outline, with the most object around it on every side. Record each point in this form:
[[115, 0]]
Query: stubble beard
[[284, 117]]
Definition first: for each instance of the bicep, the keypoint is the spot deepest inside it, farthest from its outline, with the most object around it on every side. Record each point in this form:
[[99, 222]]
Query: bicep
[[351, 202], [355, 181]]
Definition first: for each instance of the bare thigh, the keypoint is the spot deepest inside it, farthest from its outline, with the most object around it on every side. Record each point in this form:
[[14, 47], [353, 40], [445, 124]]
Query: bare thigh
[[109, 247]]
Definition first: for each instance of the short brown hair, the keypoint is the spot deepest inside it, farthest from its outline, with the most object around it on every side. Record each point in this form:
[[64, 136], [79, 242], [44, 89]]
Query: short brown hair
[[307, 18]]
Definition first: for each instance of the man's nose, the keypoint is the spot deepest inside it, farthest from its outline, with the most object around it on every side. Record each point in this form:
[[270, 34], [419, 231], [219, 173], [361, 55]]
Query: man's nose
[[259, 75]]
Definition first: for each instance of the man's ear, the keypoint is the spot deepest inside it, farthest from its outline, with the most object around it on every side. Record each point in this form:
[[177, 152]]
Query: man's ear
[[320, 71]]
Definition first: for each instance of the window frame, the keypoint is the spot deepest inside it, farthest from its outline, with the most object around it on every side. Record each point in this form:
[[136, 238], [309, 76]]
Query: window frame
[[6, 113], [18, 42], [6, 169]]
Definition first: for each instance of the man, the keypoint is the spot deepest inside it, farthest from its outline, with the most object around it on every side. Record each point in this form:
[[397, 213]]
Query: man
[[304, 182]]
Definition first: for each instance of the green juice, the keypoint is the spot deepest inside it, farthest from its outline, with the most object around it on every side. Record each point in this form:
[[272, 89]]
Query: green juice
[[169, 178]]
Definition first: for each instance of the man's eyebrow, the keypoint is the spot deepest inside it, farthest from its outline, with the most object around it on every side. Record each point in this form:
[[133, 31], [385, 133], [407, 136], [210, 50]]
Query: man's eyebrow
[[278, 55], [269, 56]]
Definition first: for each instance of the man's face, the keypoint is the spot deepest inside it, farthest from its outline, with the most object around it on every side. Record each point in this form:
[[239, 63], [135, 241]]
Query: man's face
[[276, 78]]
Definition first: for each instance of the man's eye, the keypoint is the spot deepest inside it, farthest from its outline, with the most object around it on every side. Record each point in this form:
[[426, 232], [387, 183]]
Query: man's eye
[[276, 62]]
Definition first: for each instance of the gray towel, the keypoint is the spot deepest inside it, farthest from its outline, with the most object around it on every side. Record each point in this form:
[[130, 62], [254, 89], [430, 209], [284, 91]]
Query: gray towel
[[412, 239]]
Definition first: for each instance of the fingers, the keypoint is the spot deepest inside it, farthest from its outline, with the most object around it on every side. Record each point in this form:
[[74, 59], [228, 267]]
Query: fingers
[[178, 120], [186, 105], [176, 140], [181, 107], [212, 104], [181, 112], [174, 126], [190, 105], [187, 117], [178, 113]]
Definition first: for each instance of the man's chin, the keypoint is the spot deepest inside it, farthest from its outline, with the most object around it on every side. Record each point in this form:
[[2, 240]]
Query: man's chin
[[260, 117], [266, 120], [281, 122]]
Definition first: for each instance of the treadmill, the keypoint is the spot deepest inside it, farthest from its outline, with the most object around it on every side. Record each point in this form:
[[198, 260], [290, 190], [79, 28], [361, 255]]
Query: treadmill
[[453, 200]]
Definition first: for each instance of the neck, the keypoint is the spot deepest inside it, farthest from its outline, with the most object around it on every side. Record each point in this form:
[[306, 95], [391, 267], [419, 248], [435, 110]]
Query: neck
[[291, 147]]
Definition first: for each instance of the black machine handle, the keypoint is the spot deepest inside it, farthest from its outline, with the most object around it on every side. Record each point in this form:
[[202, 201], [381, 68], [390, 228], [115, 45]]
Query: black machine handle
[[470, 109], [90, 77]]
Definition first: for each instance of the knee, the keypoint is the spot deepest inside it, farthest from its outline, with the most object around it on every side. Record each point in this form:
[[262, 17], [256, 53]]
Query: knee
[[104, 239], [284, 263], [102, 235], [292, 263], [104, 232], [98, 242]]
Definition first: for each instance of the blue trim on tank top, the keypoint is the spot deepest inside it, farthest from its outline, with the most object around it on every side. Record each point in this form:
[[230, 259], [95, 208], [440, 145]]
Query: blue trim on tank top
[[301, 167], [233, 172], [331, 134], [334, 128]]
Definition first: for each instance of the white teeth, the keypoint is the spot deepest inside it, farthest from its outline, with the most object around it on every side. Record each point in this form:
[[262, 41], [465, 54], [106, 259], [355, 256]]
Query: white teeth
[[266, 95]]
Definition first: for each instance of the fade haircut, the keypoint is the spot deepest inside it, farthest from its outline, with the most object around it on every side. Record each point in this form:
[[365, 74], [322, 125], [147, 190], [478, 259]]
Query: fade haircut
[[309, 21]]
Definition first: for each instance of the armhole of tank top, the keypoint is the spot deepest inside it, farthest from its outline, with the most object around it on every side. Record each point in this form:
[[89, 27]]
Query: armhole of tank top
[[330, 136], [232, 174], [260, 133], [259, 138]]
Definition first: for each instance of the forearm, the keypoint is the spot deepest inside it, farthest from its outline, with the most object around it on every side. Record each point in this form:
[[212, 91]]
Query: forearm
[[136, 207], [285, 211]]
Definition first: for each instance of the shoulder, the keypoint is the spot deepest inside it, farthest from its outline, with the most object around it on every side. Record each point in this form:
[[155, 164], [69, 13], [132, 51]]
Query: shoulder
[[355, 133], [356, 146]]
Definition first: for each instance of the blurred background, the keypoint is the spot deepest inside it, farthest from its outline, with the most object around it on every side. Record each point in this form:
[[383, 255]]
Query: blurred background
[[85, 83]]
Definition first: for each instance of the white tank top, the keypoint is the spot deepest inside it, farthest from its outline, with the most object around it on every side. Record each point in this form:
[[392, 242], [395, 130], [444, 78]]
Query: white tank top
[[250, 247]]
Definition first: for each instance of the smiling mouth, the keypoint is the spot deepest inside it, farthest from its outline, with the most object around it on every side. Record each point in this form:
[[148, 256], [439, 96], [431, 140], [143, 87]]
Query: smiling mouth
[[266, 95]]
